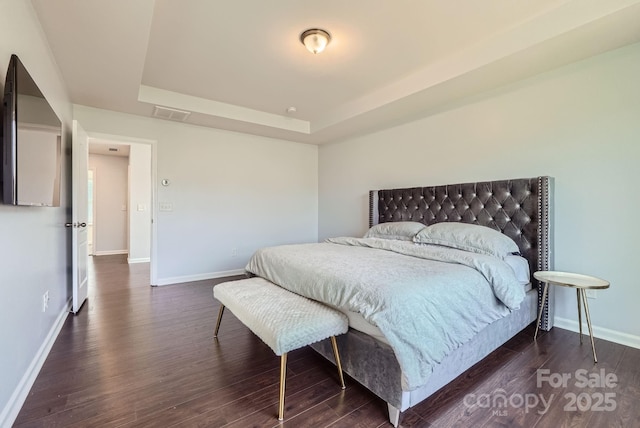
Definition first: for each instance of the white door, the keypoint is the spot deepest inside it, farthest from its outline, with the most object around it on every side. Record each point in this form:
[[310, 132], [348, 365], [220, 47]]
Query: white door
[[79, 201]]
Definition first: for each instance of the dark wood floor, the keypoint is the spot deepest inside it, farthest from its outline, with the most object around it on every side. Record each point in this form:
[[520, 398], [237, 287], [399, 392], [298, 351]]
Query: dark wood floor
[[140, 356]]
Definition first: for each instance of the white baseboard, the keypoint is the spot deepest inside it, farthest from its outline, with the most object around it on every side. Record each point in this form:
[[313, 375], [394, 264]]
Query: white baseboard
[[599, 332], [139, 260], [199, 277], [12, 408], [110, 252]]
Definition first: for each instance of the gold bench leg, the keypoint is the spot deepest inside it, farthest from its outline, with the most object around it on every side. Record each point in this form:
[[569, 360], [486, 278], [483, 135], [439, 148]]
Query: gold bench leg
[[283, 376], [337, 356], [220, 312]]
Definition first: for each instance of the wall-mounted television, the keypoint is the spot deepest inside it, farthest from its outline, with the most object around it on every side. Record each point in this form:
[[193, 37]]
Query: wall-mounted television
[[31, 142]]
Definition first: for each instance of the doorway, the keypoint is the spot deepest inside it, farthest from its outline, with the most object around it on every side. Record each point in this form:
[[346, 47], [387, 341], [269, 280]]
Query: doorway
[[121, 215]]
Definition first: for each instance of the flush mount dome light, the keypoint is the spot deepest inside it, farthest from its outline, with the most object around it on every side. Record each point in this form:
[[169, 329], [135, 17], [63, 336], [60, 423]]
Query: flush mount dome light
[[315, 40]]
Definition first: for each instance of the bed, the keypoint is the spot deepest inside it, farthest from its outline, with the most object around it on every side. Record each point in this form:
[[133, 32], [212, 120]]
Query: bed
[[393, 364]]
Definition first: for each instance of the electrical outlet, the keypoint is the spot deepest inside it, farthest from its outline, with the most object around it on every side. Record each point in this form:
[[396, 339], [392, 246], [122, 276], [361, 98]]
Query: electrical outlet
[[45, 301], [234, 252], [591, 294]]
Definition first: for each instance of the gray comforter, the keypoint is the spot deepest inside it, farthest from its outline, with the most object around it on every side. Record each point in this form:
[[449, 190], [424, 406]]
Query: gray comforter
[[427, 300]]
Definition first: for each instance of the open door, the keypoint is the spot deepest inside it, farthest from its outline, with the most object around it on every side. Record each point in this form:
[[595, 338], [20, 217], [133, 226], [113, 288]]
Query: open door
[[79, 215]]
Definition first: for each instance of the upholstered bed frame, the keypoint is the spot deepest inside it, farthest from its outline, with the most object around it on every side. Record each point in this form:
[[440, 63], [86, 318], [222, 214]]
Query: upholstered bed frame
[[519, 208]]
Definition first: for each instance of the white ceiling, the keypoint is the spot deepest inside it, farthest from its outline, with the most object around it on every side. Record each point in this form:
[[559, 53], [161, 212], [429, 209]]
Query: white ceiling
[[239, 65]]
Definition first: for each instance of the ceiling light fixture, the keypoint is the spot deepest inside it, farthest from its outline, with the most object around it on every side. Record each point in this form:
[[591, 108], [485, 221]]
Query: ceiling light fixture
[[315, 40]]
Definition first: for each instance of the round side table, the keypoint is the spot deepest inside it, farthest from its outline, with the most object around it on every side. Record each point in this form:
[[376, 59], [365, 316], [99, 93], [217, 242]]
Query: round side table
[[573, 280]]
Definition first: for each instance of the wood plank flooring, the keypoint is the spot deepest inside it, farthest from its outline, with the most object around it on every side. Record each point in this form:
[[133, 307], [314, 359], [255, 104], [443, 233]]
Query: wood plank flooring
[[141, 356]]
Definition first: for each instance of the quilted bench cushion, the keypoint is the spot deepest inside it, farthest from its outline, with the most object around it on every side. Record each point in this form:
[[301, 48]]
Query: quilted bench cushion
[[283, 320]]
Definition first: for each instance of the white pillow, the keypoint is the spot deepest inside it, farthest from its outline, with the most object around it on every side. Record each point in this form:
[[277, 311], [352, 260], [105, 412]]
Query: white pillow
[[468, 237], [520, 267], [401, 230]]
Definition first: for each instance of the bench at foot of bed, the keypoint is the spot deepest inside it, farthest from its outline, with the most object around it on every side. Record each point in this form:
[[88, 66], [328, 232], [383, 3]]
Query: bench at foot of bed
[[285, 321]]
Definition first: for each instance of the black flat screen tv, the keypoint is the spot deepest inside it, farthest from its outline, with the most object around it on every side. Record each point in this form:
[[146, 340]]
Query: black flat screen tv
[[31, 142]]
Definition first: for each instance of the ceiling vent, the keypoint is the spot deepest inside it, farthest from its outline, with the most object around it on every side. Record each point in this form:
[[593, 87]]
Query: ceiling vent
[[171, 114], [113, 149]]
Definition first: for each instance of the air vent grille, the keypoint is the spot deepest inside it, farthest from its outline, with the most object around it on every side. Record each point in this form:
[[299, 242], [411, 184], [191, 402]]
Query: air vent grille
[[170, 113]]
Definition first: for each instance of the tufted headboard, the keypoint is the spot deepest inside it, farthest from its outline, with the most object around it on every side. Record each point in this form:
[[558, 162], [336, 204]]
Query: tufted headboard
[[519, 208]]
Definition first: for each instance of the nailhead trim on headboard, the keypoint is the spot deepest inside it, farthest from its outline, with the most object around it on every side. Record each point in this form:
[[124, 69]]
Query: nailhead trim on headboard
[[545, 256]]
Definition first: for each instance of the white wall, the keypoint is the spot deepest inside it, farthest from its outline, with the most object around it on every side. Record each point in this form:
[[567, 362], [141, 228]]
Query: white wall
[[579, 124], [34, 244], [228, 191], [110, 218], [139, 203]]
